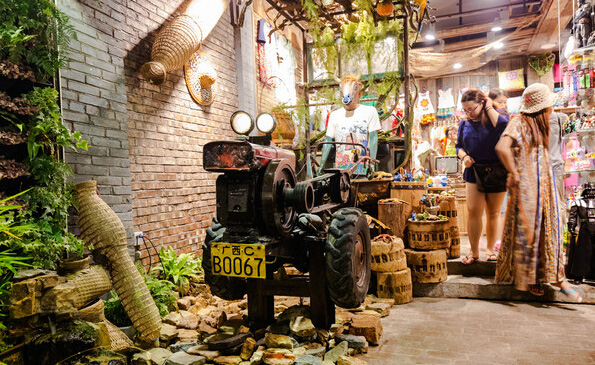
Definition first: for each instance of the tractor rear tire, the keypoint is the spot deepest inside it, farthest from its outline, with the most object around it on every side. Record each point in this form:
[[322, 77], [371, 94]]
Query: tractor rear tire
[[348, 258], [225, 287]]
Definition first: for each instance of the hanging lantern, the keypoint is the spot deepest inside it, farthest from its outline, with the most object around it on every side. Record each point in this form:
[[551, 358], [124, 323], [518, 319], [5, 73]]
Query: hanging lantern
[[384, 8]]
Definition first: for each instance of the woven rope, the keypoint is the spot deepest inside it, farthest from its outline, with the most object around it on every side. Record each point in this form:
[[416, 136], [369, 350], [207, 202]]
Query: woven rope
[[118, 339], [100, 226], [173, 47]]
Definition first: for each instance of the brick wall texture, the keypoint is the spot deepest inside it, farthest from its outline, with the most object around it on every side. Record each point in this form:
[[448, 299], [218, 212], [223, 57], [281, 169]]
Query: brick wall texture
[[146, 140]]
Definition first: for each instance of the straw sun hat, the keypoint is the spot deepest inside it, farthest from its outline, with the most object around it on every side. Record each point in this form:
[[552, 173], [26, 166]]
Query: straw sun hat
[[200, 77], [536, 97]]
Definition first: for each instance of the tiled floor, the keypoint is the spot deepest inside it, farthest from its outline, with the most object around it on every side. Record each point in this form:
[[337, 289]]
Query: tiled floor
[[470, 331]]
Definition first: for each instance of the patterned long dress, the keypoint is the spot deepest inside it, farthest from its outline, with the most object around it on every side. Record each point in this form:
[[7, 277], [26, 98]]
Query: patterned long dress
[[531, 250]]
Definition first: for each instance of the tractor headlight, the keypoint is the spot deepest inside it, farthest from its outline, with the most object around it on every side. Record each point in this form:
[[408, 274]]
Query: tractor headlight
[[241, 123], [266, 123]]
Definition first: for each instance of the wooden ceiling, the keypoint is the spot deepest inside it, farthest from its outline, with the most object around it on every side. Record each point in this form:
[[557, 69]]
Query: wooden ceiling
[[464, 24], [531, 25]]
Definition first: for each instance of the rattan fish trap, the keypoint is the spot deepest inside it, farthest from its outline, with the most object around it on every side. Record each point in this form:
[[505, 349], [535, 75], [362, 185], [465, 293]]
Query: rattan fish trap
[[100, 226], [92, 313], [90, 284], [119, 340], [173, 47]]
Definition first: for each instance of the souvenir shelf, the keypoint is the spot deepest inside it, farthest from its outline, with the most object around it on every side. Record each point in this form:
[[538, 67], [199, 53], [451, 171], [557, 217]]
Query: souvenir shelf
[[579, 152], [579, 141]]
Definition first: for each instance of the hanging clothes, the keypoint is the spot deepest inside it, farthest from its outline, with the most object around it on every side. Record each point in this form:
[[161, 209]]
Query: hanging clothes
[[446, 104], [459, 110], [424, 108]]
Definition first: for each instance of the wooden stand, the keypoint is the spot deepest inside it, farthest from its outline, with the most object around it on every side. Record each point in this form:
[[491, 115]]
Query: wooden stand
[[261, 293], [394, 214]]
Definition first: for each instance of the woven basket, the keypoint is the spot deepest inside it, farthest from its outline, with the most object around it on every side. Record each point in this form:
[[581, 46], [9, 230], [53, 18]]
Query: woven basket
[[173, 47], [100, 226], [118, 339], [429, 235], [92, 313]]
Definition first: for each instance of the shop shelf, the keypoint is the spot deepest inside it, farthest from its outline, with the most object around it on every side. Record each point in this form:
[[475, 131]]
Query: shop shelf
[[579, 171]]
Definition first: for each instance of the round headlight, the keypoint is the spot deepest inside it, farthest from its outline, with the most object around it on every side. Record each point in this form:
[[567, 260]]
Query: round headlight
[[241, 123], [266, 123]]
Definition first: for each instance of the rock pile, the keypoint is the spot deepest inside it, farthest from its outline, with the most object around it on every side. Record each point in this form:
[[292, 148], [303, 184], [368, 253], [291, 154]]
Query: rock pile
[[206, 330]]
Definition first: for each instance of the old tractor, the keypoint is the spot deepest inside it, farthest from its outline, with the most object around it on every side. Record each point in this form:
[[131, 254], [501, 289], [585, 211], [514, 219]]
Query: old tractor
[[266, 219]]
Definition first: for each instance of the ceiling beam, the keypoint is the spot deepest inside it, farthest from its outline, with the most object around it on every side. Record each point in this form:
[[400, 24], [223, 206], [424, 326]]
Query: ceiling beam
[[515, 4], [479, 42], [485, 27], [547, 29]]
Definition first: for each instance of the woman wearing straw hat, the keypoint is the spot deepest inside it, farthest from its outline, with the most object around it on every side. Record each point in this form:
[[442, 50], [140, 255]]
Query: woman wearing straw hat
[[531, 254]]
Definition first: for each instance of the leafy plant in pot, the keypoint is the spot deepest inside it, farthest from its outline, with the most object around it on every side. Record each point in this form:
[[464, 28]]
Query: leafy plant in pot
[[179, 269]]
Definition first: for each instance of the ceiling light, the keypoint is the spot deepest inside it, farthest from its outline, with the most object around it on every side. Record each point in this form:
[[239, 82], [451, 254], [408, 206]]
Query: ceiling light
[[498, 45], [548, 46], [431, 34], [497, 26], [457, 65]]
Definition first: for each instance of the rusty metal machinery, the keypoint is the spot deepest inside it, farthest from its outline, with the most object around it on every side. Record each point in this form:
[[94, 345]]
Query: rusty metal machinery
[[263, 210]]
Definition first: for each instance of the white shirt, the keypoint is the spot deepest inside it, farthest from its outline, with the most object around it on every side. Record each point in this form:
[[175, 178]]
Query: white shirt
[[355, 128]]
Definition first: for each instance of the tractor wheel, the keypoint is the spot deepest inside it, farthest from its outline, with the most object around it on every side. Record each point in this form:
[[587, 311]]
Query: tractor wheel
[[225, 287], [348, 258]]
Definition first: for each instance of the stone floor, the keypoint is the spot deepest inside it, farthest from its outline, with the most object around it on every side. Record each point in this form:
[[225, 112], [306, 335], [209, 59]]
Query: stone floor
[[471, 331]]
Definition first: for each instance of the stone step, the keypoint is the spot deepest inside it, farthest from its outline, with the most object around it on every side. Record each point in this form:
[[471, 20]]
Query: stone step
[[459, 286], [478, 268]]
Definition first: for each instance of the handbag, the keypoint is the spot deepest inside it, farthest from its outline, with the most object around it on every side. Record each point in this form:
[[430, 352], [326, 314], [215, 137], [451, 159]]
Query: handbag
[[490, 178]]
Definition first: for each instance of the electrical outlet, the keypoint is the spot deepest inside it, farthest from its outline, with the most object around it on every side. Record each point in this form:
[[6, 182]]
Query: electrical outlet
[[138, 238]]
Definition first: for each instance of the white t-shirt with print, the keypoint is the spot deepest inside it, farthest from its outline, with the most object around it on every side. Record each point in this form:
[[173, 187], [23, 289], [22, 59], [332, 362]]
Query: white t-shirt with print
[[352, 129]]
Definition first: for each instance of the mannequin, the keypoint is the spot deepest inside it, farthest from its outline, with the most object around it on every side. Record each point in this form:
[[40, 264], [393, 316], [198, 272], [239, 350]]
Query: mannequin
[[583, 23], [581, 260]]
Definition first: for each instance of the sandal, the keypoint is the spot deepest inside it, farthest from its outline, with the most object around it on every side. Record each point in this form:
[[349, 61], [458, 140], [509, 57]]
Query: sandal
[[572, 294], [468, 260], [491, 257], [537, 290]]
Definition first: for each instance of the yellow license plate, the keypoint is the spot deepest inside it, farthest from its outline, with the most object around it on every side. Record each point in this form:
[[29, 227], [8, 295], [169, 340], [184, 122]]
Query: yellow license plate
[[238, 259]]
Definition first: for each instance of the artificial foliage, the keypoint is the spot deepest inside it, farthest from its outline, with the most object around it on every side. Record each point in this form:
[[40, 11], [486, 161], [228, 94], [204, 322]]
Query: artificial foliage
[[36, 33], [34, 36]]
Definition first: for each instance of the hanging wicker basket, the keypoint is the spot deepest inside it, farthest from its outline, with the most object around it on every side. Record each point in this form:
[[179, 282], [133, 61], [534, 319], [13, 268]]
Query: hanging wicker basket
[[173, 47]]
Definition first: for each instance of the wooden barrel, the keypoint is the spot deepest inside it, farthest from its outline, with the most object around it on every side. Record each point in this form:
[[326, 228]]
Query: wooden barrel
[[454, 251], [462, 214], [409, 191], [394, 213], [396, 285], [429, 235], [448, 208], [427, 266], [388, 254]]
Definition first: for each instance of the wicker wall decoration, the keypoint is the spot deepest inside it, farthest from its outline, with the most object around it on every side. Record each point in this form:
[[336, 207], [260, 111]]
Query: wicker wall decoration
[[173, 46], [200, 77], [176, 42], [102, 228]]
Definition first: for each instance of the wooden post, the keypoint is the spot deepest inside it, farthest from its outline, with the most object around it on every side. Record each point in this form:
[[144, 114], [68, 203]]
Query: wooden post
[[321, 306], [261, 307]]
